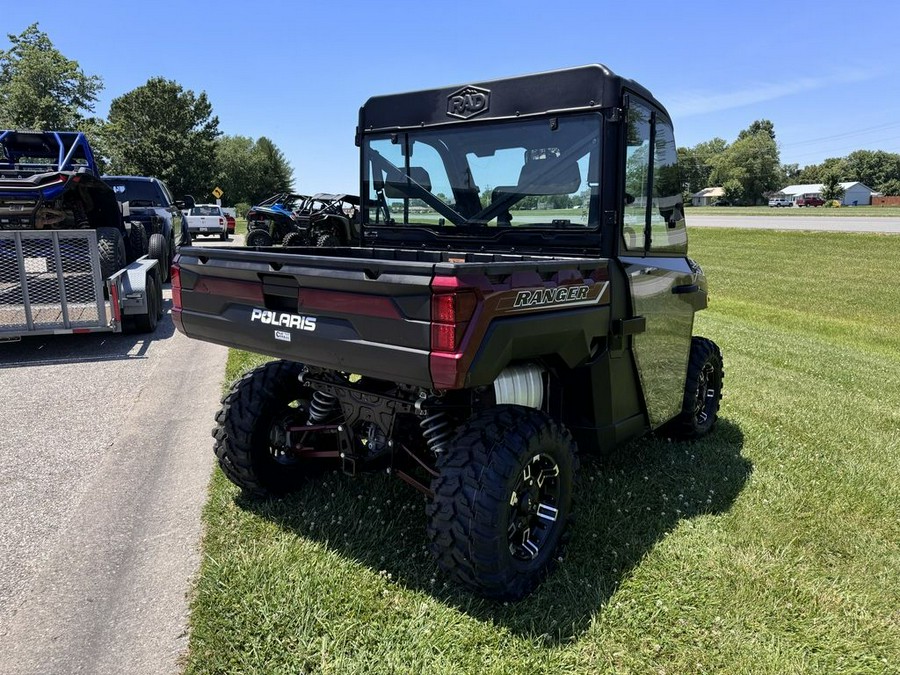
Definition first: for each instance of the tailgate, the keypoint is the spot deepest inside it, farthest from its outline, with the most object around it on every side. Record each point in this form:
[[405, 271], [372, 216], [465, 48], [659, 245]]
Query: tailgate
[[50, 283], [370, 317]]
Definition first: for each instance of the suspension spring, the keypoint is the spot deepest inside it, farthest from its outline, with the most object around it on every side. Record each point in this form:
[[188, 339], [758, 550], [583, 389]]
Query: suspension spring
[[437, 431], [321, 406]]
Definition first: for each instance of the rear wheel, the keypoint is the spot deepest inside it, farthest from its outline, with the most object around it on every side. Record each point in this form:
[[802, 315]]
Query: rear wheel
[[294, 239], [503, 501], [258, 238], [702, 391], [157, 250], [251, 431], [111, 247]]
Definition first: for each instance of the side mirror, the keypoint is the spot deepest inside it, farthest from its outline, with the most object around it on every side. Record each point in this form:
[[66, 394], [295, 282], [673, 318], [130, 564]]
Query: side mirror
[[187, 202]]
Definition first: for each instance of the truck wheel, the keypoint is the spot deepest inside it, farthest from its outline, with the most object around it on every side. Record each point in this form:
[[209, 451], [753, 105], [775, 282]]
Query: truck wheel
[[250, 430], [146, 323], [137, 240], [702, 391], [503, 501], [111, 247], [258, 238], [157, 250]]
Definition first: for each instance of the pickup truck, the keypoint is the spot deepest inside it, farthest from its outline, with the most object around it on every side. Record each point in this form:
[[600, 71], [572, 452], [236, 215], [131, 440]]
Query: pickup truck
[[207, 219], [809, 200], [521, 294], [150, 203]]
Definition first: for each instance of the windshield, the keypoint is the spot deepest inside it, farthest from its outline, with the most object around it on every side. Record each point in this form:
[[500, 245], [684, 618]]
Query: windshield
[[136, 192], [540, 173]]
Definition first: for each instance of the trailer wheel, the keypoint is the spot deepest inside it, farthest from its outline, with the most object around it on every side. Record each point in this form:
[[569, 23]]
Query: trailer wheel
[[702, 392], [146, 323], [250, 431], [258, 238], [503, 501], [157, 249], [111, 247]]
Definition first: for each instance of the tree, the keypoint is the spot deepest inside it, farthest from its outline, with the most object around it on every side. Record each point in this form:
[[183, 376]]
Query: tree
[[752, 160], [697, 163], [249, 171], [160, 129], [831, 187], [875, 168], [40, 88], [734, 191], [815, 173], [277, 174]]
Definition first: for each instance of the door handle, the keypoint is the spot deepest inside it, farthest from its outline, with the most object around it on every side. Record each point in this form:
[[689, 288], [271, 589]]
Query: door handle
[[687, 288]]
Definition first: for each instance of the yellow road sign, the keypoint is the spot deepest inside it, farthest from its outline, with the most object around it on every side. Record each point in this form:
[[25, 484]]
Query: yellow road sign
[[217, 193]]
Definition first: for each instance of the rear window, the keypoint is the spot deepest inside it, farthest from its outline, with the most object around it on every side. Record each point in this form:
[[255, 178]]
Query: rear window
[[206, 211], [136, 192]]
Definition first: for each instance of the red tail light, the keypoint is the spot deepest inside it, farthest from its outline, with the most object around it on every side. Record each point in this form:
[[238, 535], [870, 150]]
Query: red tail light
[[451, 310], [221, 221]]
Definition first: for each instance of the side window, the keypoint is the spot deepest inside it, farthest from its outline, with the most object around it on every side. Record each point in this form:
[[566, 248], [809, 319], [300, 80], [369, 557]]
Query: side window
[[667, 231], [637, 173]]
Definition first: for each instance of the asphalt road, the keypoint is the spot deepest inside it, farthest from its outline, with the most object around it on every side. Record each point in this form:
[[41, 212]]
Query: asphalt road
[[817, 223], [105, 457]]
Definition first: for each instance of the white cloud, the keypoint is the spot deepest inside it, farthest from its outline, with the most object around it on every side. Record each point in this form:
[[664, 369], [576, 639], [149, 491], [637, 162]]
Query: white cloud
[[687, 104]]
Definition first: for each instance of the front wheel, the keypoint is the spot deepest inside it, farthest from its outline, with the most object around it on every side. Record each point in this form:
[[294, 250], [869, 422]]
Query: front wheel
[[702, 391], [251, 431], [503, 501]]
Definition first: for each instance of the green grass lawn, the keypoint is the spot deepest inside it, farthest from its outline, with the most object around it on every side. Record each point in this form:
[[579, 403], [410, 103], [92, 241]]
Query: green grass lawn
[[773, 546]]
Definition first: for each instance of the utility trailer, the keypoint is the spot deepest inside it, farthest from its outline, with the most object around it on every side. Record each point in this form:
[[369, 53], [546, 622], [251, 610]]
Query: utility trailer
[[51, 283]]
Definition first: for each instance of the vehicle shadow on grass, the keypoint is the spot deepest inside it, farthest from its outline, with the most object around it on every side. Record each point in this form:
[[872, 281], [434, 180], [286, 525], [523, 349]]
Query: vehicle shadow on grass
[[626, 504]]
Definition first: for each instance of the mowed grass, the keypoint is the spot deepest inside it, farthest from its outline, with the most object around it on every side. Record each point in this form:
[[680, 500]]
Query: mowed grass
[[772, 546]]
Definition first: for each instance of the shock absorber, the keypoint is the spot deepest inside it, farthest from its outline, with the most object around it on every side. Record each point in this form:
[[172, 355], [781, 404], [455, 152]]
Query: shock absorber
[[436, 430], [321, 406]]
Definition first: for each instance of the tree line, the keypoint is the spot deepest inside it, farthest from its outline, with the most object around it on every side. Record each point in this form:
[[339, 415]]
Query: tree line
[[750, 169], [157, 129]]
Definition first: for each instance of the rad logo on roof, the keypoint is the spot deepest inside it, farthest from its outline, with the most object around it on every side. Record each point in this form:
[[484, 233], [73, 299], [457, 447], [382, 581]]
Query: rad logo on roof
[[468, 102]]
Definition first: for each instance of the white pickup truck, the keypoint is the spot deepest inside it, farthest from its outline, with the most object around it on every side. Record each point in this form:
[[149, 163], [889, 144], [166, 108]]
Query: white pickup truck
[[207, 219]]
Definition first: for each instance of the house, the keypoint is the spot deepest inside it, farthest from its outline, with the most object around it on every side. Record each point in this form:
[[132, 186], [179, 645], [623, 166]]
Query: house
[[855, 193], [707, 196]]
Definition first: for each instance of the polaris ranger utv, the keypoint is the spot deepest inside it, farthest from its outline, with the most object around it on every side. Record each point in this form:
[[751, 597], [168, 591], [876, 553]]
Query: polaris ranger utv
[[522, 293]]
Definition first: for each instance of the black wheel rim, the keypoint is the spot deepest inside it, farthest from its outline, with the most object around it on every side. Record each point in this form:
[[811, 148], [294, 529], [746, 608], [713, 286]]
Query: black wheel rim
[[534, 508], [707, 389]]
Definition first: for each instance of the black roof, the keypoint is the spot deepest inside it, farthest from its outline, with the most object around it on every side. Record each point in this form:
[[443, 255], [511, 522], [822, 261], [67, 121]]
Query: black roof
[[590, 87]]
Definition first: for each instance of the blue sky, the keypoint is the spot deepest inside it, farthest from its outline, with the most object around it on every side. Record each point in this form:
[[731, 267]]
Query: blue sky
[[827, 74]]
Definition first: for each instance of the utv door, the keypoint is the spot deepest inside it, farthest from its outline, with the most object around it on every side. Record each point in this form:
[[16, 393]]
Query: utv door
[[653, 252]]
